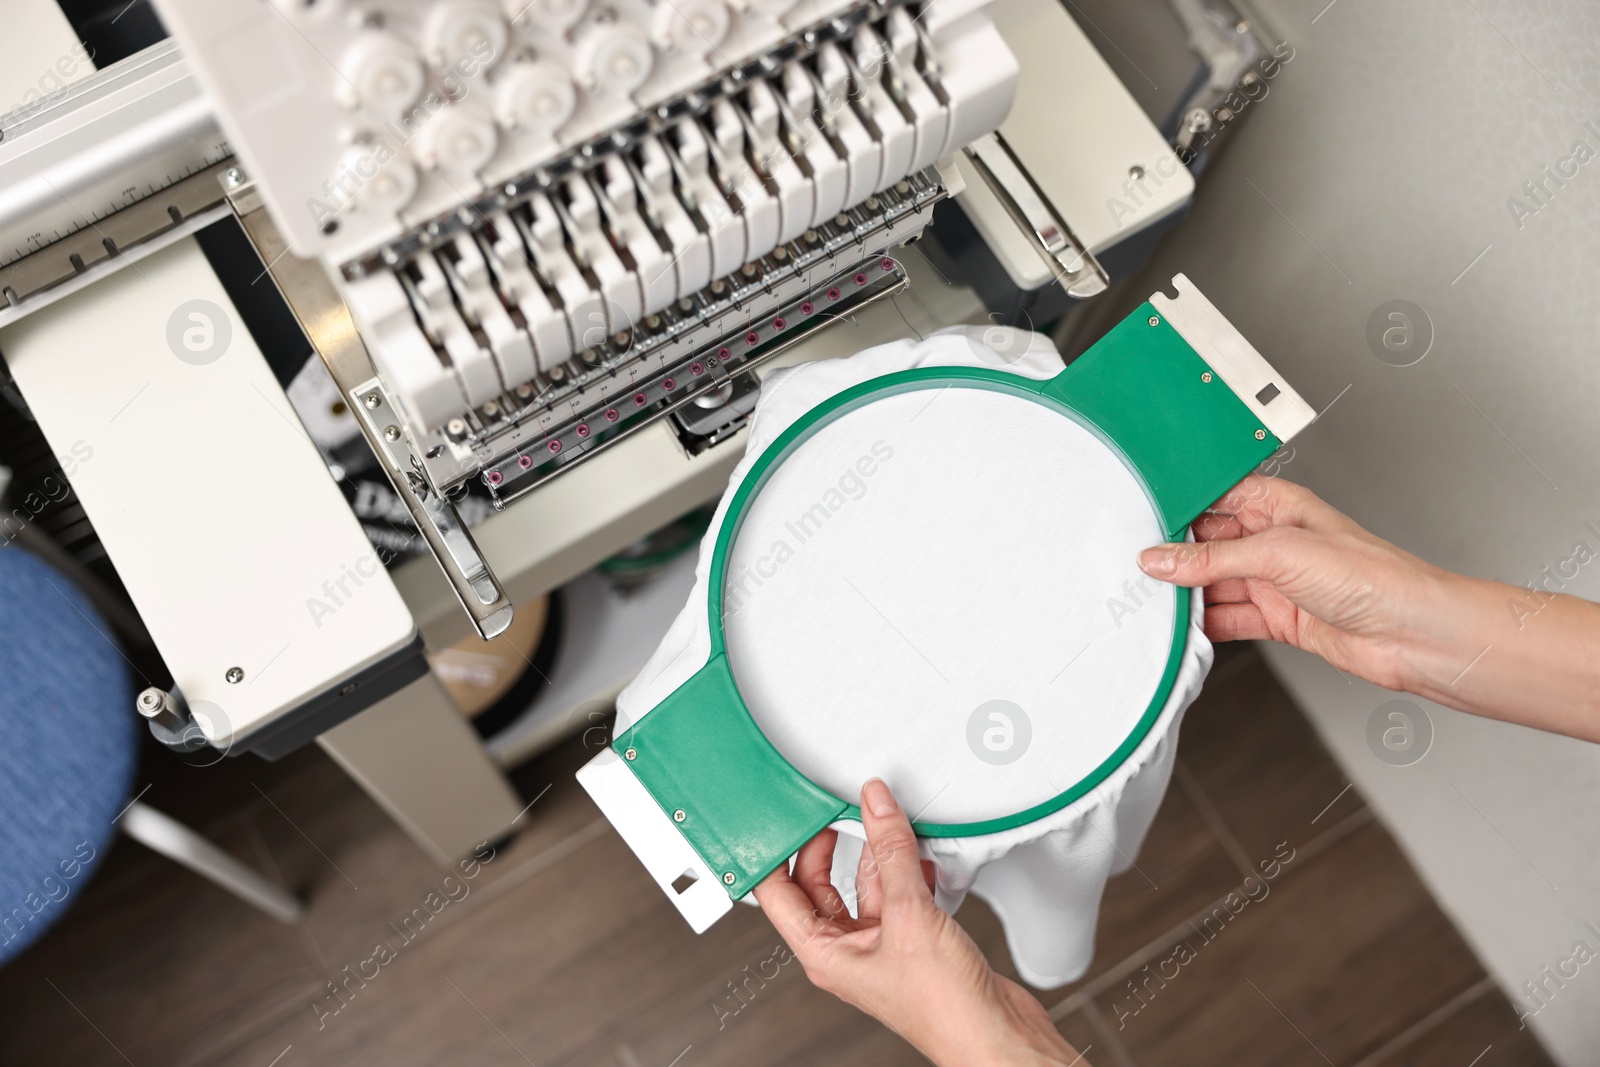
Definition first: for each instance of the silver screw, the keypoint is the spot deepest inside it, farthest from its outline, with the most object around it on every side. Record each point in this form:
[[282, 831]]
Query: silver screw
[[631, 754], [1261, 435], [235, 176], [1136, 172], [235, 675], [158, 706], [391, 433], [1205, 376], [372, 400], [1155, 321], [679, 815], [729, 878]]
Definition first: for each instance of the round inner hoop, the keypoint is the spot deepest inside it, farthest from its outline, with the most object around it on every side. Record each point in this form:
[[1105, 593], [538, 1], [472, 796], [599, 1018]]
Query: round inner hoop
[[933, 580]]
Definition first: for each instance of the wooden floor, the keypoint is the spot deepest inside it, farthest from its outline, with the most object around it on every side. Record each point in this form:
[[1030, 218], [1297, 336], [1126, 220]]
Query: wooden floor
[[560, 951]]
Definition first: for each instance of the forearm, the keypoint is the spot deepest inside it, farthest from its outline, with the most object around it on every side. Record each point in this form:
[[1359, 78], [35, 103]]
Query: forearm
[[1032, 1047], [1520, 655], [1005, 1026], [1278, 563]]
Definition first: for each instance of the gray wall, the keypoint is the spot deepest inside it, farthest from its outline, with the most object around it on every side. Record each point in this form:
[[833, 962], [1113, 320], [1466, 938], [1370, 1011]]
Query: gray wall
[[1389, 148]]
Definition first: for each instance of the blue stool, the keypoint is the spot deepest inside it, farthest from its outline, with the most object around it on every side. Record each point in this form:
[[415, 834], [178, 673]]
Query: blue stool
[[67, 760], [70, 745]]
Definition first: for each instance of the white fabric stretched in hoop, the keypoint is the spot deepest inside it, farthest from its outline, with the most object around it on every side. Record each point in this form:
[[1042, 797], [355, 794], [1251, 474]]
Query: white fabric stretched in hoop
[[1043, 878]]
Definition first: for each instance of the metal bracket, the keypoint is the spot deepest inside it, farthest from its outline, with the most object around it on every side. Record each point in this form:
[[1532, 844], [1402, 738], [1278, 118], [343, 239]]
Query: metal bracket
[[1229, 45], [1253, 380], [435, 515], [1078, 272]]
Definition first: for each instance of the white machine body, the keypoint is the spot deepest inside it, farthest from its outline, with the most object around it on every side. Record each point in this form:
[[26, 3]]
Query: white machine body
[[248, 568], [539, 228]]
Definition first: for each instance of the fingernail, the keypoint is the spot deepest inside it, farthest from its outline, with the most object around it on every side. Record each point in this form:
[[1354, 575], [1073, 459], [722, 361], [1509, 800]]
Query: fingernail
[[875, 794], [1160, 561]]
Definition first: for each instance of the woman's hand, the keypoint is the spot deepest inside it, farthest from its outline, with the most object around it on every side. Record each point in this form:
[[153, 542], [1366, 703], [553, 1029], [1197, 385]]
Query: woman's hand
[[1276, 562], [904, 961]]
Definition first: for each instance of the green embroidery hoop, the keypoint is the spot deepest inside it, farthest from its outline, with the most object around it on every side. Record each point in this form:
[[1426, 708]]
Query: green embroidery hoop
[[870, 392], [1186, 426]]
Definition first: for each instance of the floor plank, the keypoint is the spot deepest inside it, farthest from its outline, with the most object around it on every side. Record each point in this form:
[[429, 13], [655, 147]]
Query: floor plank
[[1257, 760], [1483, 1032], [1341, 954]]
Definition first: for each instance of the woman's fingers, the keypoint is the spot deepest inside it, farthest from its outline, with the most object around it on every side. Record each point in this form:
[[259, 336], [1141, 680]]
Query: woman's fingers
[[790, 909], [897, 866], [1259, 502], [1236, 622], [1273, 555], [869, 893], [813, 871], [1228, 591], [1216, 526]]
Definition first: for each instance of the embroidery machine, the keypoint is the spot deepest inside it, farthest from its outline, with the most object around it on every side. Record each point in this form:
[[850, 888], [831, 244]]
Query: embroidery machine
[[542, 247]]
